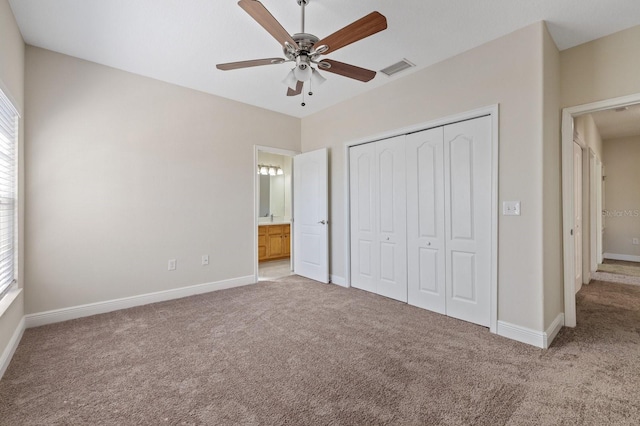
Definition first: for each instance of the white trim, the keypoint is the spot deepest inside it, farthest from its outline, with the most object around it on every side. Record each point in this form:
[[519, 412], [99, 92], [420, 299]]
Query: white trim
[[347, 214], [593, 212], [5, 359], [65, 314], [553, 330], [495, 165], [539, 339], [339, 281], [521, 334], [627, 257], [567, 193], [491, 110], [256, 200]]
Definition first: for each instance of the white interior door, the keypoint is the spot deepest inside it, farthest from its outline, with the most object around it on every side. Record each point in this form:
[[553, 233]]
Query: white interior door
[[593, 212], [577, 211], [467, 160], [392, 218], [600, 210], [311, 215], [364, 255], [425, 220]]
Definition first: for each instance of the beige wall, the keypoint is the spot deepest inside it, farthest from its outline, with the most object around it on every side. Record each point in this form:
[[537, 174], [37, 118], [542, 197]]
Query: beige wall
[[125, 173], [602, 69], [12, 84], [508, 71], [622, 195], [552, 183]]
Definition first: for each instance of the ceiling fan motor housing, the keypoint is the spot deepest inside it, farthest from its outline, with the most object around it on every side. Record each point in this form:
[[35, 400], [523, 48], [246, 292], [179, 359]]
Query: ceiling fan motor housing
[[305, 43]]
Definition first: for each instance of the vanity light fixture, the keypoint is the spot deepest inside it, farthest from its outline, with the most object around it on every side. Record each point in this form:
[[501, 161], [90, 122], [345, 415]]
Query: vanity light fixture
[[269, 170]]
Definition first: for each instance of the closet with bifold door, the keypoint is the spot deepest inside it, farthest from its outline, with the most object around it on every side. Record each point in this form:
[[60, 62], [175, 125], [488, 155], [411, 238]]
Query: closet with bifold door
[[421, 218], [378, 217]]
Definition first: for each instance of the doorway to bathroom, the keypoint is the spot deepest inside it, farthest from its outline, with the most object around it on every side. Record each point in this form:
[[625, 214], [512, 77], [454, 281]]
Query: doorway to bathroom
[[274, 206]]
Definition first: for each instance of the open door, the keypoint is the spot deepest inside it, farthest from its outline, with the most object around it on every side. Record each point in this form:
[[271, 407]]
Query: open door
[[311, 215], [577, 211]]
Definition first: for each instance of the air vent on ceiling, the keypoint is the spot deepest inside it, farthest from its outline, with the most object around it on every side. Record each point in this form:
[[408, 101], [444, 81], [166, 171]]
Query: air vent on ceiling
[[397, 67]]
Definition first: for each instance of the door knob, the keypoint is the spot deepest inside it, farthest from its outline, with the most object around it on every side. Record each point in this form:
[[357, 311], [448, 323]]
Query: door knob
[[323, 222], [428, 244]]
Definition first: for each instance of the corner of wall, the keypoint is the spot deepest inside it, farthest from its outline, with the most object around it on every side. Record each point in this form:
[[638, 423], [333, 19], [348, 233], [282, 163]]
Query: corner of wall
[[12, 75], [551, 181]]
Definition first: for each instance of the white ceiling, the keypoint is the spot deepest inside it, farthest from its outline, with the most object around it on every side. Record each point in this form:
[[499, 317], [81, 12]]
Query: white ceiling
[[180, 41], [614, 124]]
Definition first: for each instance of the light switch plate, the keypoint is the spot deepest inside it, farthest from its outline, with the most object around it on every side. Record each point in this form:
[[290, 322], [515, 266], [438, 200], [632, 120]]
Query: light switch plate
[[511, 208]]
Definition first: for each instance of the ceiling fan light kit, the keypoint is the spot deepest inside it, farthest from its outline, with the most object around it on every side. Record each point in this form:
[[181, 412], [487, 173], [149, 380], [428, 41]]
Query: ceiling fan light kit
[[305, 49]]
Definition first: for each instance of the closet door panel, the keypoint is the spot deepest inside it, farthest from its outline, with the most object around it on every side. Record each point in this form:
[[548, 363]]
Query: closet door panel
[[391, 216], [364, 253], [467, 154], [425, 220]]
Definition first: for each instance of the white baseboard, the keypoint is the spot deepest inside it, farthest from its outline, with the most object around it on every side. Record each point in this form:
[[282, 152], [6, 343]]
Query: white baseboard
[[540, 339], [338, 281], [6, 356], [553, 330], [65, 314], [627, 257]]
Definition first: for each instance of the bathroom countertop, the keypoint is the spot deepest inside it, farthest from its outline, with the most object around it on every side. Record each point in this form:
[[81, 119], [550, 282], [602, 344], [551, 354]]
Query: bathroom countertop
[[274, 223]]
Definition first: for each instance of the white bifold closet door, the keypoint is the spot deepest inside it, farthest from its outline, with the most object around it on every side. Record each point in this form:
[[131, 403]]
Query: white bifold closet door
[[449, 220], [378, 218], [425, 220]]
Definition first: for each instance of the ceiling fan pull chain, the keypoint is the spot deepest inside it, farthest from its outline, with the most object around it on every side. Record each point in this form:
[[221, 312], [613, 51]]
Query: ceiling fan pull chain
[[303, 104]]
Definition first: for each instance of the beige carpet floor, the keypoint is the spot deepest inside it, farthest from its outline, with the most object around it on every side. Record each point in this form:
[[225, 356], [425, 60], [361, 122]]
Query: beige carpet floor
[[633, 271], [297, 352]]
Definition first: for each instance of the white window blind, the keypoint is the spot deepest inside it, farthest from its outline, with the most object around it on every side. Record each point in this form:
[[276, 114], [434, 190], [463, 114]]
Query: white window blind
[[8, 168]]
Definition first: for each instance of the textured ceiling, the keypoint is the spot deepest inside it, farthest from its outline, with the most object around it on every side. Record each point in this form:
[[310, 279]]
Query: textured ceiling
[[180, 41]]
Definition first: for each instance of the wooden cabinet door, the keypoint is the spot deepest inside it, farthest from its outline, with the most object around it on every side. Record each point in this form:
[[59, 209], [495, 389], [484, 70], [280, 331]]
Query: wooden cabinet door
[[275, 241], [262, 243], [286, 240]]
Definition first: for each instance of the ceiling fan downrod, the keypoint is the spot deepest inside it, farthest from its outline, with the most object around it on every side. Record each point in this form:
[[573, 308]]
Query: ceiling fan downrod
[[302, 4]]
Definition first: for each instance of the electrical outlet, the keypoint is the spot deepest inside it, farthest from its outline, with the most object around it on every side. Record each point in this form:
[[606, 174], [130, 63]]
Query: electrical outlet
[[173, 264], [636, 241], [511, 208], [205, 260]]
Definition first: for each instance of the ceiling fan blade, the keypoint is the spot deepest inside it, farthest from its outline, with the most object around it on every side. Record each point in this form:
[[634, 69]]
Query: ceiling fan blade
[[346, 70], [247, 64], [267, 21], [297, 91], [363, 27]]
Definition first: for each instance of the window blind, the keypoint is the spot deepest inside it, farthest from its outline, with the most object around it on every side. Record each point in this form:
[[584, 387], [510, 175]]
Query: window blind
[[8, 145]]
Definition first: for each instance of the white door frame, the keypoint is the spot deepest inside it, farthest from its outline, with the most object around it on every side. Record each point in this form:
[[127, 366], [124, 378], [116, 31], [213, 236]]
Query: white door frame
[[491, 110], [593, 212], [567, 193], [256, 197]]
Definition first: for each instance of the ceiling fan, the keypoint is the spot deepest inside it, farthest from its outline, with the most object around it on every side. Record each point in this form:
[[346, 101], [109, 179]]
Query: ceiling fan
[[305, 49]]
